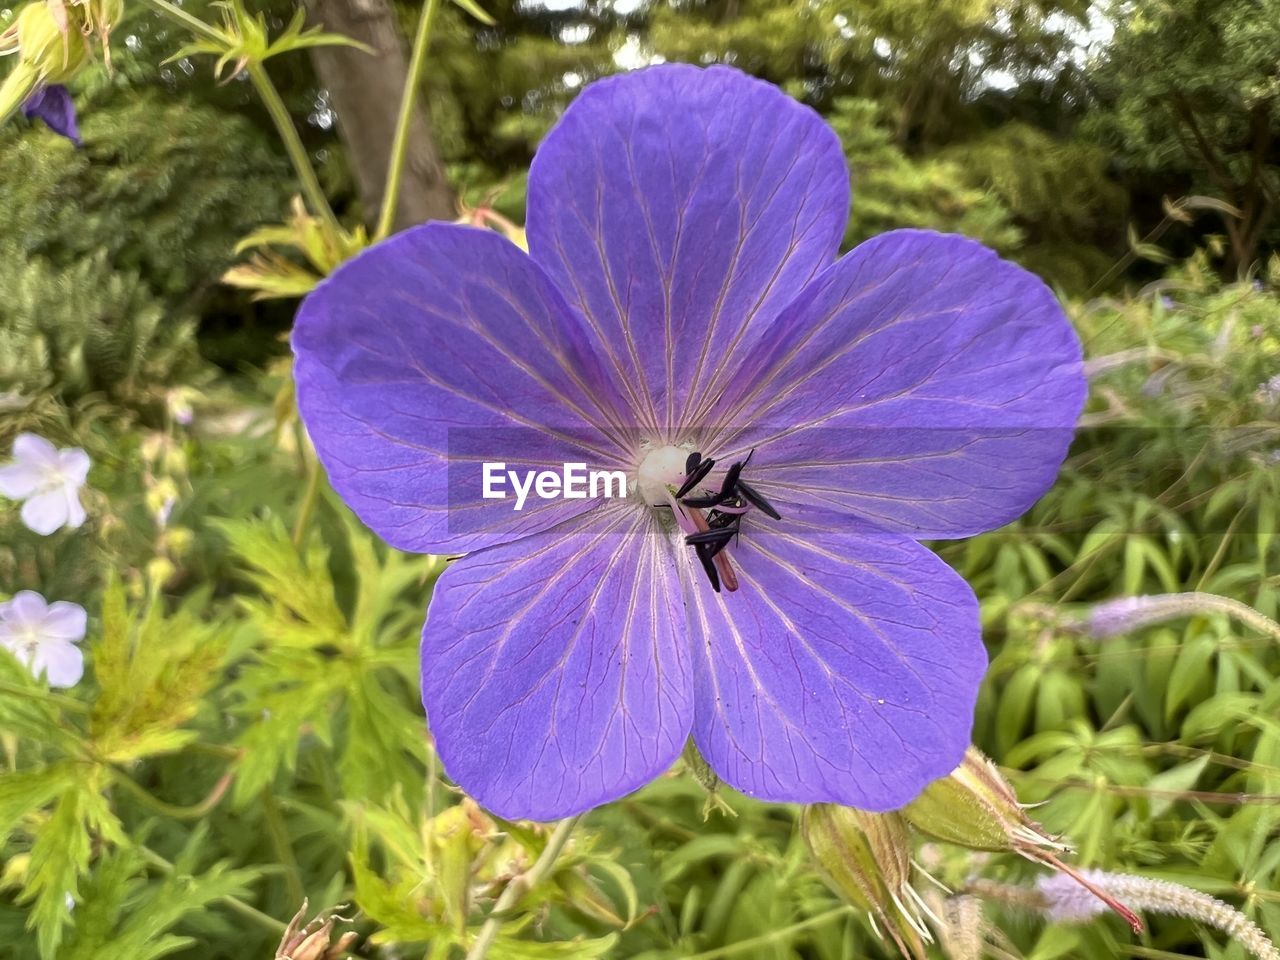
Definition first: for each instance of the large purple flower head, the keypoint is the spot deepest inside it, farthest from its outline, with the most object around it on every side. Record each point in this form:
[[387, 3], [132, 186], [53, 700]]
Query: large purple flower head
[[790, 426]]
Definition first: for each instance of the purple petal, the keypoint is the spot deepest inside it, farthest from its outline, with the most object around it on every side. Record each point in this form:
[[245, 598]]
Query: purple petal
[[431, 353], [921, 383], [54, 106], [26, 608], [35, 451], [65, 621], [48, 512], [678, 207], [554, 670], [61, 663], [844, 669]]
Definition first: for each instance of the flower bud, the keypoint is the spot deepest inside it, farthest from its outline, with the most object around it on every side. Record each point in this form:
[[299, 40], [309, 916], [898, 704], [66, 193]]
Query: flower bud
[[866, 859], [46, 41], [975, 807], [313, 941]]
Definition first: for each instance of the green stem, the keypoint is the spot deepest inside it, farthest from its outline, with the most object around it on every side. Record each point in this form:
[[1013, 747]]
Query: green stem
[[284, 850], [310, 496], [193, 23], [773, 936], [518, 887], [239, 906], [408, 100], [194, 812], [316, 199], [318, 202]]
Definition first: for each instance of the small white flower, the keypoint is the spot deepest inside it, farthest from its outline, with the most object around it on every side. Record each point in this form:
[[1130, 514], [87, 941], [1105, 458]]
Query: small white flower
[[43, 636], [49, 480]]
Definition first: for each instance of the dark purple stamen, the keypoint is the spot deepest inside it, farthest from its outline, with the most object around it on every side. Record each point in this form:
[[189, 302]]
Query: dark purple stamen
[[709, 565], [723, 523], [697, 472], [757, 500], [720, 536]]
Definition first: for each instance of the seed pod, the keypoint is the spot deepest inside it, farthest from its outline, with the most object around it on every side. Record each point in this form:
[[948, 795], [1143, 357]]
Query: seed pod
[[866, 859], [975, 807]]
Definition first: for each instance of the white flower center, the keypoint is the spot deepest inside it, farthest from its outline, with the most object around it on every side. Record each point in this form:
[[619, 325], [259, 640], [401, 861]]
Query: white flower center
[[662, 467]]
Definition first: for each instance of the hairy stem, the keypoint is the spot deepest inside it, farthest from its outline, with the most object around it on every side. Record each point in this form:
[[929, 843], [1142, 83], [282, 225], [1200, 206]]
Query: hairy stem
[[307, 508], [517, 888], [1131, 613], [298, 155], [192, 23], [751, 945], [194, 812]]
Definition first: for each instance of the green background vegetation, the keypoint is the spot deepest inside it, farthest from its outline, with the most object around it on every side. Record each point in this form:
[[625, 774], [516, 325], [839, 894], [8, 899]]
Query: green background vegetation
[[250, 734]]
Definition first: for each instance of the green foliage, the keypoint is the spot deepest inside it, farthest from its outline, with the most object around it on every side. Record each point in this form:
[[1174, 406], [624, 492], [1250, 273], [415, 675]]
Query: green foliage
[[1190, 96], [280, 712], [89, 328], [892, 190], [1058, 194], [110, 250], [162, 187]]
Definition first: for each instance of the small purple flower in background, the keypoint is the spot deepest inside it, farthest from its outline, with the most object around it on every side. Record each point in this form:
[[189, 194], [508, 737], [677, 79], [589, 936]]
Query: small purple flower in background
[[792, 424], [48, 480], [53, 105], [43, 636]]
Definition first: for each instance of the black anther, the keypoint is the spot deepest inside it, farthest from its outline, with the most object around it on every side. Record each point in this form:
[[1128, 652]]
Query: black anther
[[757, 500], [699, 474], [709, 565]]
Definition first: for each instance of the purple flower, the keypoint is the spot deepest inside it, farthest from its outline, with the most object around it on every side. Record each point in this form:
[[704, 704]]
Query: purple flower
[[53, 105], [43, 636], [681, 303]]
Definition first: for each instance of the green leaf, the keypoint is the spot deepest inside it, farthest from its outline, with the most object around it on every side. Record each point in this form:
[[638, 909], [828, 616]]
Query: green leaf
[[507, 948], [477, 11], [25, 793]]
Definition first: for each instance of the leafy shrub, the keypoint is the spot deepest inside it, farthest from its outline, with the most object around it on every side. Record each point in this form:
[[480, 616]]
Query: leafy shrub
[[88, 328], [163, 187], [891, 189]]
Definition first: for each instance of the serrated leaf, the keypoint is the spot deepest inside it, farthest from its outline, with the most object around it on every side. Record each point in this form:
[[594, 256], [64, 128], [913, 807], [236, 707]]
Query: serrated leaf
[[28, 792]]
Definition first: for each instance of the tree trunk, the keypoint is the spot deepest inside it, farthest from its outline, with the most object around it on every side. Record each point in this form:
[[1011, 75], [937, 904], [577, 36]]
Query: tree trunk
[[365, 91]]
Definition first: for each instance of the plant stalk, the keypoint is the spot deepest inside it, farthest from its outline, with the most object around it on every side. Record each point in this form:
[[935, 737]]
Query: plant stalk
[[517, 887], [408, 101]]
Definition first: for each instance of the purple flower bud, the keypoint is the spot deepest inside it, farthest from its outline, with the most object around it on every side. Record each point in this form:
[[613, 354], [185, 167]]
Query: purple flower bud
[[53, 105]]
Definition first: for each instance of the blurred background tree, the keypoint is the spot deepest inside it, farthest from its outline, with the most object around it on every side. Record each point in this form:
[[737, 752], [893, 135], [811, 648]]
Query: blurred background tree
[[1190, 102], [1050, 129]]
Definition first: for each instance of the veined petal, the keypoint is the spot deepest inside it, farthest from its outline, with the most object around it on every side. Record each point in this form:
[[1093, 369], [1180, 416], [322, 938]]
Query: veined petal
[[680, 207], [555, 671], [844, 669], [921, 383], [75, 509], [430, 354], [74, 465]]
